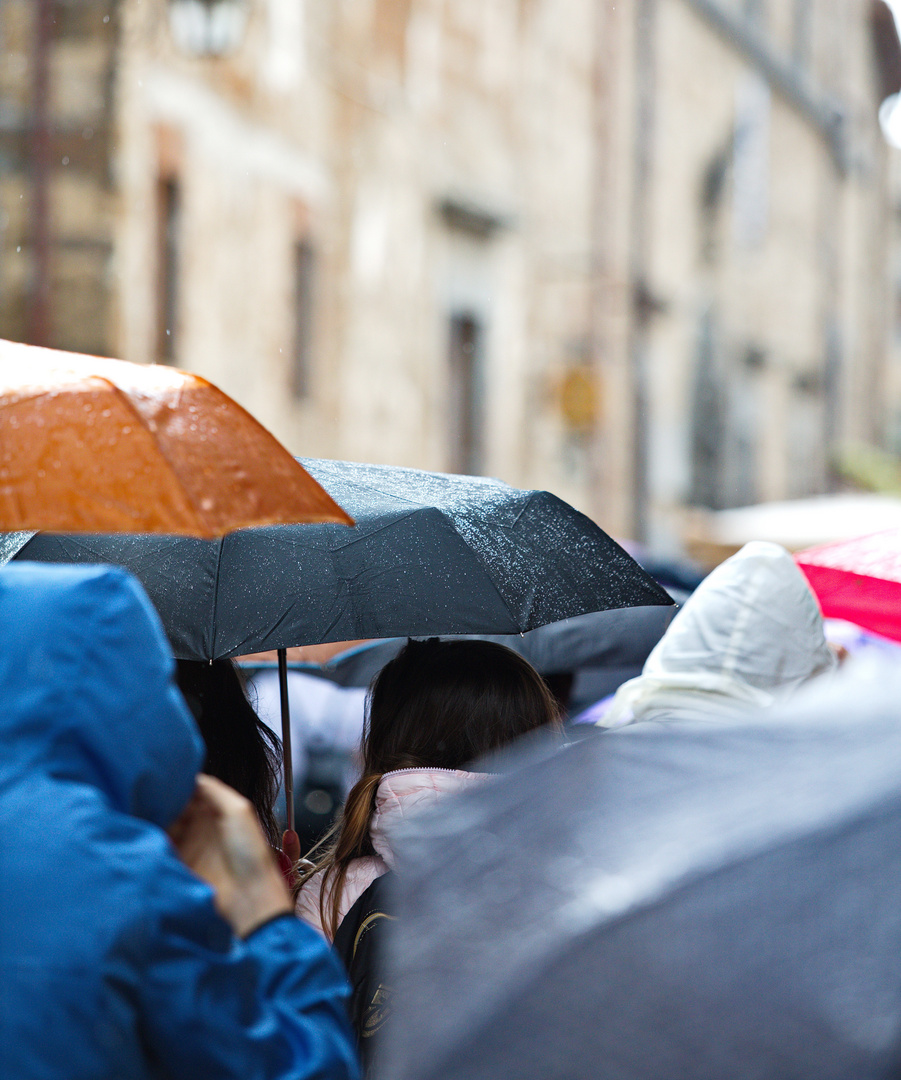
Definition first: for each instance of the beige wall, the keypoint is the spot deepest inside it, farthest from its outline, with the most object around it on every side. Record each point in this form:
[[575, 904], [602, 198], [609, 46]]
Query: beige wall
[[789, 244], [580, 138], [391, 109]]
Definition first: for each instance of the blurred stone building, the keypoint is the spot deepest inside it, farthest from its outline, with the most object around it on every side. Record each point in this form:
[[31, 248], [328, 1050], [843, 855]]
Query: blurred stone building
[[636, 252], [58, 201], [752, 276]]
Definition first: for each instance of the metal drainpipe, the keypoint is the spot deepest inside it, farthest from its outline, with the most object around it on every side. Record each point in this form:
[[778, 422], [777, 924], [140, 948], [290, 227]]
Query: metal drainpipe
[[601, 466], [39, 321], [639, 247], [832, 256]]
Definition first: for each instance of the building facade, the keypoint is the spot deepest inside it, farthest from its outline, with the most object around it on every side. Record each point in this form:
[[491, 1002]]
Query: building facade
[[635, 252], [759, 249]]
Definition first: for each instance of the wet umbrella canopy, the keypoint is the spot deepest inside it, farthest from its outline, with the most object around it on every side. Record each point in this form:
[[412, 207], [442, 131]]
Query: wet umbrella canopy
[[666, 901], [95, 445], [602, 649], [859, 580], [429, 554]]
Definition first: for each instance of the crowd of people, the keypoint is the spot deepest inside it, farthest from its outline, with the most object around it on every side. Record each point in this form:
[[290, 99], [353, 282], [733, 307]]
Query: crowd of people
[[146, 928]]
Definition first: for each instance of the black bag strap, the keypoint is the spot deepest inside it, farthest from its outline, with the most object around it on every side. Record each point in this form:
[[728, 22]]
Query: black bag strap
[[359, 943]]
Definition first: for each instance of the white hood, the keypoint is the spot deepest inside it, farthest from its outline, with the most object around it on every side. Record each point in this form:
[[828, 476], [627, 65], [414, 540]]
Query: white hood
[[750, 634]]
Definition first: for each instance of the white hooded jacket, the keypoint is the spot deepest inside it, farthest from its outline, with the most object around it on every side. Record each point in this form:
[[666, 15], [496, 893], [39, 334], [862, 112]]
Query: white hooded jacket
[[400, 793], [749, 635]]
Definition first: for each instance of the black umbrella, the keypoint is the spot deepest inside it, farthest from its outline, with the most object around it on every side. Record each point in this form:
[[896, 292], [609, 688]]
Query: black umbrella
[[662, 902], [429, 554], [602, 649]]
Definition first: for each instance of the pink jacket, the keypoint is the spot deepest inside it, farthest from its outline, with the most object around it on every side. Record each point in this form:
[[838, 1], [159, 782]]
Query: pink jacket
[[400, 794]]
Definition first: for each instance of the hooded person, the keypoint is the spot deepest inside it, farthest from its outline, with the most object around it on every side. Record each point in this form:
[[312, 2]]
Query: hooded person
[[115, 958], [749, 636]]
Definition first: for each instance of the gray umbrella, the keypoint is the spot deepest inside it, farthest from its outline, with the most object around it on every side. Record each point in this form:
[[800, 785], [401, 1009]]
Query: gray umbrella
[[429, 554], [665, 901], [601, 648]]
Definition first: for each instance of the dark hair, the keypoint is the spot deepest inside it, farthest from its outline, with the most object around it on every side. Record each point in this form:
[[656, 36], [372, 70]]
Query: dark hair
[[240, 749], [437, 704]]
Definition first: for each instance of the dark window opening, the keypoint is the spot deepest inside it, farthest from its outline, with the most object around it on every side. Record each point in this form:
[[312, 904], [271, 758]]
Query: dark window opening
[[304, 282], [168, 266], [465, 346], [708, 421]]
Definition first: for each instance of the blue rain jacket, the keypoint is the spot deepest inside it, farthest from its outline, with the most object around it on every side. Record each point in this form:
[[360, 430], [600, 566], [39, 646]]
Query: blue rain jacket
[[113, 960]]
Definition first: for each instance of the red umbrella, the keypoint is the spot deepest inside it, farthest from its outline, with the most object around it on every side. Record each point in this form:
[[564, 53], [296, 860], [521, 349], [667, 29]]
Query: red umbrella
[[859, 580]]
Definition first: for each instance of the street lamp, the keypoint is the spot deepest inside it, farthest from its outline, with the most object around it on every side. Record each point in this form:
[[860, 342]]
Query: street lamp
[[207, 27]]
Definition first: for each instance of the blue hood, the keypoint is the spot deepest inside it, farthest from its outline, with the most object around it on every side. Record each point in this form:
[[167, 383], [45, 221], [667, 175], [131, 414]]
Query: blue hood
[[87, 690]]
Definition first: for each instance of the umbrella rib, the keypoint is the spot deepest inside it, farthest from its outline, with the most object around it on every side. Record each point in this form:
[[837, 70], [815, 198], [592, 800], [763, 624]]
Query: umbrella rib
[[358, 539], [481, 562], [215, 622], [129, 404], [368, 487]]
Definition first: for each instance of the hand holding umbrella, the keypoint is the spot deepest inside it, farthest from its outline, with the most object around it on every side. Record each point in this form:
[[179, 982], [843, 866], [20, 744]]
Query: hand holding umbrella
[[218, 836]]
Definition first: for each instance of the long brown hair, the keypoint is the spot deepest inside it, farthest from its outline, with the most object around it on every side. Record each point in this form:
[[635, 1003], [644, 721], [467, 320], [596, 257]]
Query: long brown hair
[[437, 704]]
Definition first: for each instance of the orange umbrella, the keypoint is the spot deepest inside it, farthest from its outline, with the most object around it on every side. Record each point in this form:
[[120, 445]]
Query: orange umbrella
[[95, 445]]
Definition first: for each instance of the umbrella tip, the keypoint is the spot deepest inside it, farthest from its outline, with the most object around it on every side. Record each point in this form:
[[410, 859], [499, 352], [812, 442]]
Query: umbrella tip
[[291, 845]]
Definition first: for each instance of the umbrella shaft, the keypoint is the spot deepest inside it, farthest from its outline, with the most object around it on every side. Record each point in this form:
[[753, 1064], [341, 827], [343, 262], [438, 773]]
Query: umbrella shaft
[[287, 761]]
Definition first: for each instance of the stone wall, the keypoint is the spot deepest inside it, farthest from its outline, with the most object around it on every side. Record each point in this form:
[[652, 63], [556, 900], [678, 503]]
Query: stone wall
[[622, 250]]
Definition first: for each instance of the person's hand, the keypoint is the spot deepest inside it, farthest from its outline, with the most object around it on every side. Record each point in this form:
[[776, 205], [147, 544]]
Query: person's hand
[[218, 836]]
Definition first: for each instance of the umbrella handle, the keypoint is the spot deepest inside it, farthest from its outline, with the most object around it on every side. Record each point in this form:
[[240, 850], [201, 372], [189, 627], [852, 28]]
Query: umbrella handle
[[287, 762]]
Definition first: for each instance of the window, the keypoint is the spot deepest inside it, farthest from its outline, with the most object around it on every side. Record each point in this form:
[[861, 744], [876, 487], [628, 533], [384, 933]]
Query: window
[[207, 27], [304, 282], [465, 347], [168, 266], [751, 162], [707, 420]]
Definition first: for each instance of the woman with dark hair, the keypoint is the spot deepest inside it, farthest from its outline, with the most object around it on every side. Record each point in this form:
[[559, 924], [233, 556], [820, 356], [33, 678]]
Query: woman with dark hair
[[434, 709], [240, 749]]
